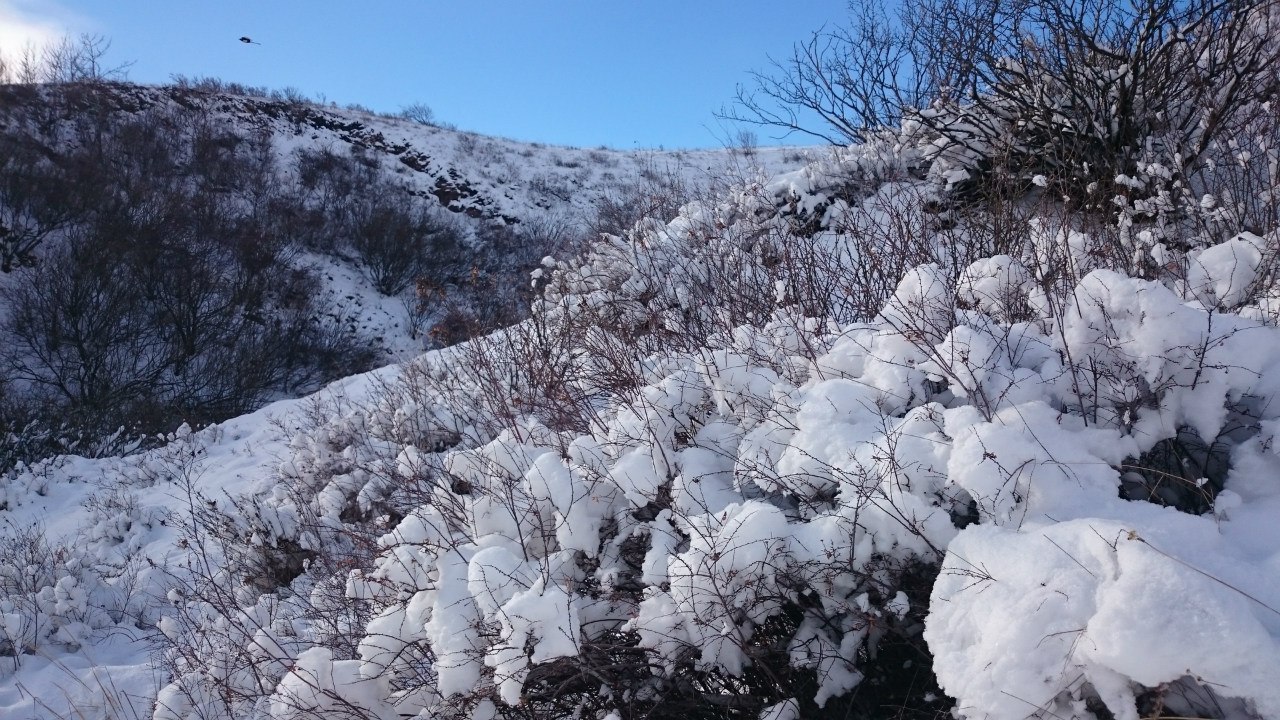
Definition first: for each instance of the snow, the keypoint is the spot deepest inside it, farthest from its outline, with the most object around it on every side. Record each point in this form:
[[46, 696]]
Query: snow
[[102, 663], [1097, 601], [1223, 275], [775, 467]]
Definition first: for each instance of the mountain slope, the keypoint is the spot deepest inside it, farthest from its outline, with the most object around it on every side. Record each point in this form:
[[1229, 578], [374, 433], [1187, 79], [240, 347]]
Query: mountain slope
[[812, 447], [482, 177], [236, 249]]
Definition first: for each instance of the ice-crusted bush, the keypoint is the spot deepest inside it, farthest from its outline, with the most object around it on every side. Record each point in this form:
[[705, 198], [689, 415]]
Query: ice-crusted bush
[[547, 553], [241, 608]]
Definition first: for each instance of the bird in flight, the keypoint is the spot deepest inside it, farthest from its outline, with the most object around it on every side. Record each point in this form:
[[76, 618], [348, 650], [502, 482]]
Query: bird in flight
[[249, 41]]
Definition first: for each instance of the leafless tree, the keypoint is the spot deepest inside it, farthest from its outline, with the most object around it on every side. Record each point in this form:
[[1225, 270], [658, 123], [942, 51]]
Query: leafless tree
[[1059, 85], [846, 80], [1098, 86], [78, 59], [150, 284]]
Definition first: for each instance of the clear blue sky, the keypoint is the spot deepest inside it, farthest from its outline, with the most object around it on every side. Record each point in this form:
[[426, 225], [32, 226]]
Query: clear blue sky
[[579, 72]]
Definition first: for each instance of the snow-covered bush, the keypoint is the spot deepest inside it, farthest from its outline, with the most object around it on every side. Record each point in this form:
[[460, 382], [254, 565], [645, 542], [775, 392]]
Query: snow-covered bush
[[1078, 98], [58, 597], [40, 597], [1158, 115]]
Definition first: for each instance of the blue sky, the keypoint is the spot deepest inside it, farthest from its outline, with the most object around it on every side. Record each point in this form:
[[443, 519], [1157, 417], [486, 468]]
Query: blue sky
[[576, 72]]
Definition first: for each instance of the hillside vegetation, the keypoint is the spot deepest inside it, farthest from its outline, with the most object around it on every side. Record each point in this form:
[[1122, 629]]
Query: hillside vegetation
[[185, 254], [975, 417]]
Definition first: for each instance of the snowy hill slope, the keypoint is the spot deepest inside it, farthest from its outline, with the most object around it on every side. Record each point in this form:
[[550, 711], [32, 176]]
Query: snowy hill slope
[[818, 446], [127, 512], [262, 245], [482, 177], [484, 180]]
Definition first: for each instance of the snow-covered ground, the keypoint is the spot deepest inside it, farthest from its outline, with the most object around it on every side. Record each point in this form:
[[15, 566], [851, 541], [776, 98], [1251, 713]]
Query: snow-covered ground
[[124, 515], [699, 448]]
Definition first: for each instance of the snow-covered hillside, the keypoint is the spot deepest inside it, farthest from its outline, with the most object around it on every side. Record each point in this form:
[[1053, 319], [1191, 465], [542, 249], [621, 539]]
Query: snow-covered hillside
[[977, 418], [480, 176], [236, 249], [814, 446]]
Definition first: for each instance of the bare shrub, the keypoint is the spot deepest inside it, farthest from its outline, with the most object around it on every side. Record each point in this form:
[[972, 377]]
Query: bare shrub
[[80, 59], [160, 295], [848, 80], [398, 244], [1095, 101], [36, 200], [658, 194], [419, 113]]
